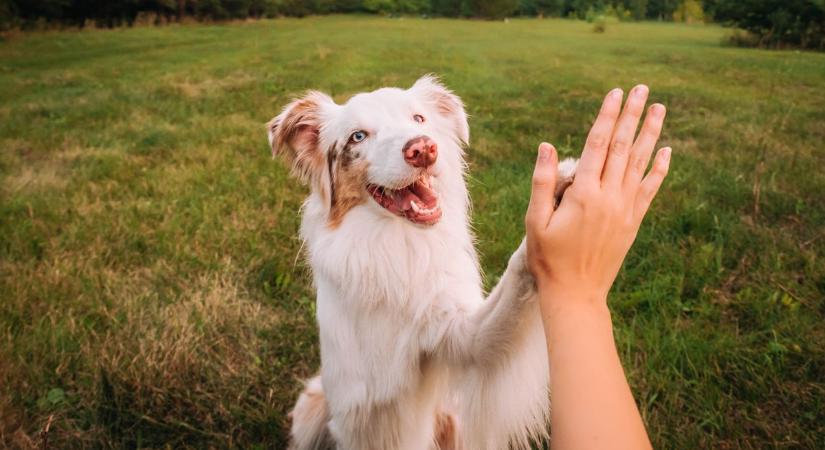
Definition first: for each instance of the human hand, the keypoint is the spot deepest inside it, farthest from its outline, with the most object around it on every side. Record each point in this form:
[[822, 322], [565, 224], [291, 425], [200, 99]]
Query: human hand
[[576, 251]]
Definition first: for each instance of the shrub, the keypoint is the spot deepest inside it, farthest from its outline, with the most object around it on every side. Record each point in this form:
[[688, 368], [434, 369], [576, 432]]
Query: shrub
[[742, 38], [600, 18], [777, 23], [690, 11], [600, 25]]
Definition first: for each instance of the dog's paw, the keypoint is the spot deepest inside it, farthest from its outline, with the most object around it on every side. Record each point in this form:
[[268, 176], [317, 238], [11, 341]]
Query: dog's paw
[[564, 178], [518, 260]]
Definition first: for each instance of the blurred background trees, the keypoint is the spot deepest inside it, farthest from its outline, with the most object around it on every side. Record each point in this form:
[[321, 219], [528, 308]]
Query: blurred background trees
[[767, 23], [775, 23]]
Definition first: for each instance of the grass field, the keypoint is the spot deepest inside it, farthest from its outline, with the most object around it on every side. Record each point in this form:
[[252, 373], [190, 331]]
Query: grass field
[[151, 290]]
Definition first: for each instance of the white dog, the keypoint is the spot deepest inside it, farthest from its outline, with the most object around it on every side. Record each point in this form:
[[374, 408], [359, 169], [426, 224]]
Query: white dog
[[412, 355]]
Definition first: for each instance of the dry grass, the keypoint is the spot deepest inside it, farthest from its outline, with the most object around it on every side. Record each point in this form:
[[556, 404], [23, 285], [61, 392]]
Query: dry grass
[[158, 362]]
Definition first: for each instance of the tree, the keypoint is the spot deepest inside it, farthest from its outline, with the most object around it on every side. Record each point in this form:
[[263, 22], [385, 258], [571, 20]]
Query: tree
[[690, 11], [777, 23], [662, 9], [397, 6], [637, 8], [493, 9], [541, 7]]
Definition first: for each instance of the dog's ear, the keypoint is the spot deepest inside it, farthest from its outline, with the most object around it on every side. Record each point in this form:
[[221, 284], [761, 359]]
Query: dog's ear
[[294, 134], [445, 103]]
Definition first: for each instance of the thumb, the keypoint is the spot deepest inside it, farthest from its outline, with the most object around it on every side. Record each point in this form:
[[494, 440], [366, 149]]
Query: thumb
[[544, 185]]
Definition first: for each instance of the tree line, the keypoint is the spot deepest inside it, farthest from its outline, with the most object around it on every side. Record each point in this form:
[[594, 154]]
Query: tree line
[[771, 23], [120, 12]]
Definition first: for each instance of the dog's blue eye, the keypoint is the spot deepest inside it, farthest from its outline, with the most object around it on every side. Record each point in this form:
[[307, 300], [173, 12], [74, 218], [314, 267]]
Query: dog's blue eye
[[358, 136]]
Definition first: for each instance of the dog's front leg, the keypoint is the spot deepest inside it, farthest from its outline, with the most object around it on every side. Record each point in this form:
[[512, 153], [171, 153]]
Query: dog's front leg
[[501, 374], [499, 318], [481, 335]]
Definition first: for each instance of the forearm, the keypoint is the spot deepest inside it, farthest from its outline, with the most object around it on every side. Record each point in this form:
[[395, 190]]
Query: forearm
[[593, 407]]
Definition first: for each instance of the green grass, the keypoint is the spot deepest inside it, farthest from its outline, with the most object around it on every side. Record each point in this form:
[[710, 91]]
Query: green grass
[[149, 290]]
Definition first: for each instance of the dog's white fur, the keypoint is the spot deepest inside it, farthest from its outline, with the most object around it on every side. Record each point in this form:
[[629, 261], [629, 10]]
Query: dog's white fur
[[413, 356]]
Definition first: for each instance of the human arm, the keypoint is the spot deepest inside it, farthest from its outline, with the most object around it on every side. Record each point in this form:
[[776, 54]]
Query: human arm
[[575, 253]]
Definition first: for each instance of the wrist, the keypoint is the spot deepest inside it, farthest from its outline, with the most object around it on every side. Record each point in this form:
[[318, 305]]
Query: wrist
[[558, 303], [570, 320], [556, 292]]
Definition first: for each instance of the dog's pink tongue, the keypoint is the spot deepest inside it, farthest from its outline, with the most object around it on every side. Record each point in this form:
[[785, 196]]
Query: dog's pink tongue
[[403, 199], [418, 192], [426, 196]]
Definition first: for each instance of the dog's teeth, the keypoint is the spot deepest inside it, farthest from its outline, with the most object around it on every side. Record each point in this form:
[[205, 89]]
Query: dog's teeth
[[415, 207]]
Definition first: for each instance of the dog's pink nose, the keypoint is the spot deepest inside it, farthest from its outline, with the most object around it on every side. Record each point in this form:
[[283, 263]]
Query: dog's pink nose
[[420, 151]]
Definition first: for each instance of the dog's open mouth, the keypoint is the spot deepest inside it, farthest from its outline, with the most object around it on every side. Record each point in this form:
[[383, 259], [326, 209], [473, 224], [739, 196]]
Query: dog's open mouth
[[417, 202]]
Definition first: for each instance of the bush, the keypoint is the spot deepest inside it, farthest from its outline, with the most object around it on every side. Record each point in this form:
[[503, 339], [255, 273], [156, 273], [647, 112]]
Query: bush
[[776, 23], [742, 38], [600, 25], [690, 11], [600, 18]]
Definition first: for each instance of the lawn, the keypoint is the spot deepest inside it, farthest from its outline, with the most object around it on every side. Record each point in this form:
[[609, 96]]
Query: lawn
[[152, 291]]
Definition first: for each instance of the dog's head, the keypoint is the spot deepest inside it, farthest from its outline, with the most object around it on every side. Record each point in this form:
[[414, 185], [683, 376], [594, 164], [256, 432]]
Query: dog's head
[[394, 150]]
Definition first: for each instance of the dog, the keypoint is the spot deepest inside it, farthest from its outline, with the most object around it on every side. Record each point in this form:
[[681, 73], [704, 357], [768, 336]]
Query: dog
[[413, 356]]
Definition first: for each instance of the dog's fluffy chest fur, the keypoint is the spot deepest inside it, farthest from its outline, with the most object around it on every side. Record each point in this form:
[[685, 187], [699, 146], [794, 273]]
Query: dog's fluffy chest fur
[[382, 261]]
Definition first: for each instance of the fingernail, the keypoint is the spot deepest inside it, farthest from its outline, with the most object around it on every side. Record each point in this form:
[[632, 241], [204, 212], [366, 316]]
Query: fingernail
[[544, 152], [657, 109], [666, 153], [616, 93], [640, 90]]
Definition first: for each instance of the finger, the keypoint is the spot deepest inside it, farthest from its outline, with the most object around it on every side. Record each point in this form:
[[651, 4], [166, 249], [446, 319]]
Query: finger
[[643, 148], [595, 149], [622, 142], [650, 185], [542, 200]]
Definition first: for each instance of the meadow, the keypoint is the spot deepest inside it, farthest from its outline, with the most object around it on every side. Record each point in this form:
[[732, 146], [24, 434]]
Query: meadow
[[152, 290]]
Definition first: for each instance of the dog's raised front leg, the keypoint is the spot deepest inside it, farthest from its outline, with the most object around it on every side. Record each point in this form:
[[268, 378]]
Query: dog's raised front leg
[[481, 337], [500, 376]]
